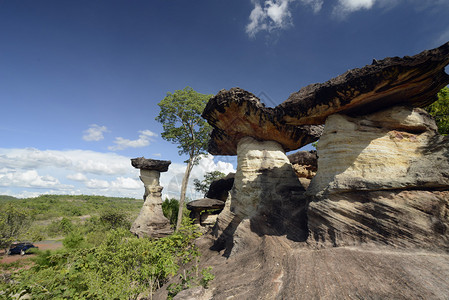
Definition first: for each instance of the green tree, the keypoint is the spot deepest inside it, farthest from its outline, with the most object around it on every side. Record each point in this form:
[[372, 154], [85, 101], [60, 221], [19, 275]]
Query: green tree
[[14, 222], [203, 185], [440, 110], [181, 119]]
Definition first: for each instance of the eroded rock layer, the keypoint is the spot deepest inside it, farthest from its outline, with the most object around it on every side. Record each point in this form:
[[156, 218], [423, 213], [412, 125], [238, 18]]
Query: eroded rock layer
[[392, 81], [236, 113], [406, 219], [278, 268], [397, 148], [150, 164], [382, 178]]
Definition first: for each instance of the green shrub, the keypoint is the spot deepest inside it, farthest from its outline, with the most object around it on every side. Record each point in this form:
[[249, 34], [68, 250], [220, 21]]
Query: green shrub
[[114, 219], [74, 240], [121, 267], [170, 208], [59, 228]]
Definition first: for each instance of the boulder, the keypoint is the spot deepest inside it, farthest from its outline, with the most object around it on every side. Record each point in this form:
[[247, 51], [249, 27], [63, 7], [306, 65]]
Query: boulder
[[377, 209], [198, 206], [151, 221], [219, 189], [304, 163], [393, 81]]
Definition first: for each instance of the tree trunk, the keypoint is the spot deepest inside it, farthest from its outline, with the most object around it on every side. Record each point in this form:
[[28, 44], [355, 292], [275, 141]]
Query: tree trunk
[[185, 180]]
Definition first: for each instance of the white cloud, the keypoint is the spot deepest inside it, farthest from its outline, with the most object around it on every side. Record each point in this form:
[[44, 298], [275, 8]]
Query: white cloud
[[143, 140], [345, 7], [29, 179], [94, 133], [29, 172], [77, 177], [116, 185], [354, 5], [97, 184], [126, 183], [275, 15], [172, 179], [80, 161]]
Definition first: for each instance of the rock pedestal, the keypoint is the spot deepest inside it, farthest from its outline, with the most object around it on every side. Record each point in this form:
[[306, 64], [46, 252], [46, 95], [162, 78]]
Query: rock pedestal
[[266, 199], [151, 221], [382, 178]]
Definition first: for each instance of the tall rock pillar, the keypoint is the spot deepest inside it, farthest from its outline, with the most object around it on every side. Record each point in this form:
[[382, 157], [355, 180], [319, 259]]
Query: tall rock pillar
[[151, 221]]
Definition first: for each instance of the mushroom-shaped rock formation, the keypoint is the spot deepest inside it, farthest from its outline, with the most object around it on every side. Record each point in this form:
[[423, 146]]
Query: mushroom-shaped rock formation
[[236, 113], [200, 205], [266, 199], [382, 178], [381, 187], [151, 221], [392, 81]]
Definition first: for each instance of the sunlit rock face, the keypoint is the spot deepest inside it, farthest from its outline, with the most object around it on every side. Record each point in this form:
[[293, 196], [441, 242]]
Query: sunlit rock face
[[406, 219], [381, 178], [151, 221], [409, 80], [266, 199], [395, 149]]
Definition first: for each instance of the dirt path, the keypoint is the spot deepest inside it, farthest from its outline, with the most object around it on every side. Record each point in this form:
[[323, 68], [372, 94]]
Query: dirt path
[[43, 245]]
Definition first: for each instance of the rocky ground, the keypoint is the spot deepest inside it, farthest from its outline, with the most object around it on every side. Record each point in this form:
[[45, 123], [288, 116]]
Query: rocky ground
[[278, 268]]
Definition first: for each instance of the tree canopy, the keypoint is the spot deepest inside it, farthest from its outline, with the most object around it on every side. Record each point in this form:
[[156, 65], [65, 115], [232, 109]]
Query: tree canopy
[[203, 185], [180, 116], [440, 110]]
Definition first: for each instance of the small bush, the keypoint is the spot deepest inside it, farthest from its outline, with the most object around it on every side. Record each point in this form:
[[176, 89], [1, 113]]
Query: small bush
[[74, 240]]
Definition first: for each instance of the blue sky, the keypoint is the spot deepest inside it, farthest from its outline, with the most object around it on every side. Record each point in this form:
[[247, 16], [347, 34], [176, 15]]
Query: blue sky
[[80, 80]]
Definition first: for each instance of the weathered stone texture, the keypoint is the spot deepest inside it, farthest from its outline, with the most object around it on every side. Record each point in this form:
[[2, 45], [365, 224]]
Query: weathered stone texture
[[220, 188], [267, 197], [305, 164], [150, 164], [406, 219], [198, 206], [236, 114], [392, 81], [381, 179], [151, 221], [394, 149]]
